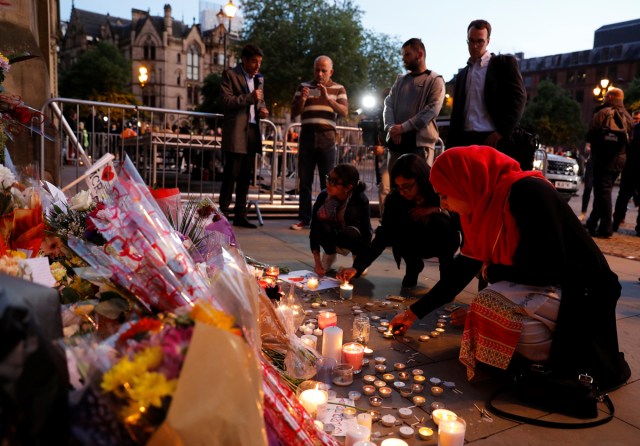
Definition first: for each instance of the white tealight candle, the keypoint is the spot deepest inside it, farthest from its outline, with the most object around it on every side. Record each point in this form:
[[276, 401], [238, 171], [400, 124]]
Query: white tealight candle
[[307, 330], [317, 332], [312, 283], [394, 442], [439, 415], [332, 343]]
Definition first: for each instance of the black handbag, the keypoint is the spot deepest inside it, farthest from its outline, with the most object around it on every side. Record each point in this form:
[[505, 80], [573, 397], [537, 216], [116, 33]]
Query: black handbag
[[577, 397]]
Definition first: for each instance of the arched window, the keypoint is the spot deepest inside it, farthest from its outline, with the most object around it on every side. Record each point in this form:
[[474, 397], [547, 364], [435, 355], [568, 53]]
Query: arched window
[[193, 64]]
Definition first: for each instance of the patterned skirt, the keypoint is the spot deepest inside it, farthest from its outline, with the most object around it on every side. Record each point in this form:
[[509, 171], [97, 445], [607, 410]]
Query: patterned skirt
[[494, 326]]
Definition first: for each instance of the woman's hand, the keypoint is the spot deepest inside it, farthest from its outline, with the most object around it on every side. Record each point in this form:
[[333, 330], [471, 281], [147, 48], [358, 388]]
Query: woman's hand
[[402, 322], [346, 274]]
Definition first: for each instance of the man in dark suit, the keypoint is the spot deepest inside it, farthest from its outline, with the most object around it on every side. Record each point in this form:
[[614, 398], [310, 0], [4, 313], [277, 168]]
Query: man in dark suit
[[489, 95], [243, 102]]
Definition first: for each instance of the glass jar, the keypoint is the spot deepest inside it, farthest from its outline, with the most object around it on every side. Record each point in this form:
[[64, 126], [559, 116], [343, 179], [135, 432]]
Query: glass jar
[[361, 329]]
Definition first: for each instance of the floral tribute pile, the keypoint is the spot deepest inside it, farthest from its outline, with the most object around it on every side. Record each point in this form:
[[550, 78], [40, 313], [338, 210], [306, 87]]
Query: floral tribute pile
[[166, 328]]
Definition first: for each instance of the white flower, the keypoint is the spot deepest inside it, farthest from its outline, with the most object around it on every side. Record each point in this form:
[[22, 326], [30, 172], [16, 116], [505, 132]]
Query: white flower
[[7, 178], [82, 201]]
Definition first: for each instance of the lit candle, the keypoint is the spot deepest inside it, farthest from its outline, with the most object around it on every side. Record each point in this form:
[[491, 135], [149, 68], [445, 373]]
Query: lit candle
[[272, 271], [314, 400], [307, 330], [327, 319], [423, 338], [388, 377], [439, 415], [436, 391], [352, 353], [332, 342], [317, 332], [425, 433], [419, 400], [451, 432], [312, 283], [354, 395], [419, 379], [346, 291], [310, 340], [369, 379], [399, 366], [368, 351], [356, 433], [368, 390], [385, 392], [315, 305], [364, 419], [349, 412], [343, 375], [394, 442]]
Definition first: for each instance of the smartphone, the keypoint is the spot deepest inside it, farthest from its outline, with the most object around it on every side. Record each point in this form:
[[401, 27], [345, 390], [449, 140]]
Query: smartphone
[[314, 93]]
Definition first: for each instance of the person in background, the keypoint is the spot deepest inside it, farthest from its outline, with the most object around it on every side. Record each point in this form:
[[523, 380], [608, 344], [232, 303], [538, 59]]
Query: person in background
[[319, 102], [630, 178], [546, 273], [413, 224], [243, 103], [587, 179], [608, 158], [489, 95], [412, 106], [341, 221]]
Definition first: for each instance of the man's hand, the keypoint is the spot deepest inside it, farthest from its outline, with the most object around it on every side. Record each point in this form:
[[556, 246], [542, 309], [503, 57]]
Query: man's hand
[[346, 274], [402, 322], [319, 270], [304, 93], [493, 140], [323, 91], [257, 94], [396, 131], [264, 113]]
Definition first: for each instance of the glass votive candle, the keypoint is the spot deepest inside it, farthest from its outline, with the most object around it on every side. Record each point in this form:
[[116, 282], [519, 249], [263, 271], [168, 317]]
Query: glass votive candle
[[343, 375], [404, 376], [327, 319], [309, 340], [352, 353], [419, 379], [436, 391], [380, 368], [312, 283], [346, 291], [419, 400], [368, 379], [406, 392], [368, 351], [365, 363], [451, 432], [375, 401], [356, 433], [354, 395], [324, 369], [417, 388], [314, 400], [361, 329], [349, 412], [388, 377], [272, 271], [440, 415], [385, 392], [368, 390]]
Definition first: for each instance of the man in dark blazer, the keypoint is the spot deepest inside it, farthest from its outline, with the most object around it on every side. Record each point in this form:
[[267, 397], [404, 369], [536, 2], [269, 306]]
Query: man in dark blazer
[[243, 101], [489, 96]]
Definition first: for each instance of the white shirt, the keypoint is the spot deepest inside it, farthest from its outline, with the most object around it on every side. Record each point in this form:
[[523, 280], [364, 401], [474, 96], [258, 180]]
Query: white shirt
[[251, 86], [477, 117]]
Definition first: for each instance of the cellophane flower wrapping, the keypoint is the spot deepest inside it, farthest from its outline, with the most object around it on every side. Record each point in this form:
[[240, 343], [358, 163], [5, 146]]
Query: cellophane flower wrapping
[[147, 256]]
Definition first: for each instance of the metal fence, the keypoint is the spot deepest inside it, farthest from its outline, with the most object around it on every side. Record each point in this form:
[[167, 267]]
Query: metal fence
[[178, 148]]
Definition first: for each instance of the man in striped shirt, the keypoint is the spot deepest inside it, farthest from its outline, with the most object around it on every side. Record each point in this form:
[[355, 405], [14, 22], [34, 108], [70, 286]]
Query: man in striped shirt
[[319, 102]]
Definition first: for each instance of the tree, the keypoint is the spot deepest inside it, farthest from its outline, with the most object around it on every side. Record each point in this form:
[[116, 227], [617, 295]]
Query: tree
[[100, 73], [292, 33], [382, 54], [211, 102], [632, 95], [555, 116]]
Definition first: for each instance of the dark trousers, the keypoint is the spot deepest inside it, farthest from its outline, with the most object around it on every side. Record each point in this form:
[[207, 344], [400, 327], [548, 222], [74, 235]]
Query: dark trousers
[[599, 221], [317, 148], [238, 171], [439, 238], [628, 189], [331, 238], [588, 185], [472, 138]]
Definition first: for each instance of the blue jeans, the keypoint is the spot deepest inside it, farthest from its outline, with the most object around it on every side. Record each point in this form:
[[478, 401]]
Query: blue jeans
[[317, 147]]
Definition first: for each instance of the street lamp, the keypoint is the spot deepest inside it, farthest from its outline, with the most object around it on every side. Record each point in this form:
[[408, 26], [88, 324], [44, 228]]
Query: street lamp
[[143, 77], [601, 90], [228, 11]]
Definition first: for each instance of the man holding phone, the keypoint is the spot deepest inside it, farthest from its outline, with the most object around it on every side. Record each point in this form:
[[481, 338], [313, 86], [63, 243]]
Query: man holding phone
[[319, 102]]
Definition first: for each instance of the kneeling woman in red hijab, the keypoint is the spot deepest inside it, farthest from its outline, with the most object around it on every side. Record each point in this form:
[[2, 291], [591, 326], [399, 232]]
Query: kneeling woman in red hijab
[[548, 279]]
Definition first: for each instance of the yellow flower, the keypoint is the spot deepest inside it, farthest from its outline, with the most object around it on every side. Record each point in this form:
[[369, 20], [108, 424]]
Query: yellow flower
[[16, 254], [204, 312], [150, 388], [58, 271], [121, 375], [149, 358]]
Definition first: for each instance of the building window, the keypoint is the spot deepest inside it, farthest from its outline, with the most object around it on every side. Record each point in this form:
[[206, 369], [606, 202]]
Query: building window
[[580, 96], [215, 59], [613, 72], [581, 77], [178, 105], [149, 52], [193, 64], [571, 77], [178, 59], [193, 91], [528, 82], [178, 80]]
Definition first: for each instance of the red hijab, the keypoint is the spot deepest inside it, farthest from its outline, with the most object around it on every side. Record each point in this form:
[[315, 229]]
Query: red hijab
[[482, 177]]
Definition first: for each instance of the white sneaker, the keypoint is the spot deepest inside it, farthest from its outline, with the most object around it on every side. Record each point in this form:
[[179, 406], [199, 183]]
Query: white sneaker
[[327, 261]]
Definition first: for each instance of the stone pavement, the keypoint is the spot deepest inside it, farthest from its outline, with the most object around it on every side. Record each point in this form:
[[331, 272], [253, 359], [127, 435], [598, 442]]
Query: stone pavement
[[276, 243]]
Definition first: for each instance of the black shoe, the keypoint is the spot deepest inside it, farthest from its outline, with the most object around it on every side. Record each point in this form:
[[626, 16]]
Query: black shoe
[[244, 223], [603, 235], [409, 281]]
